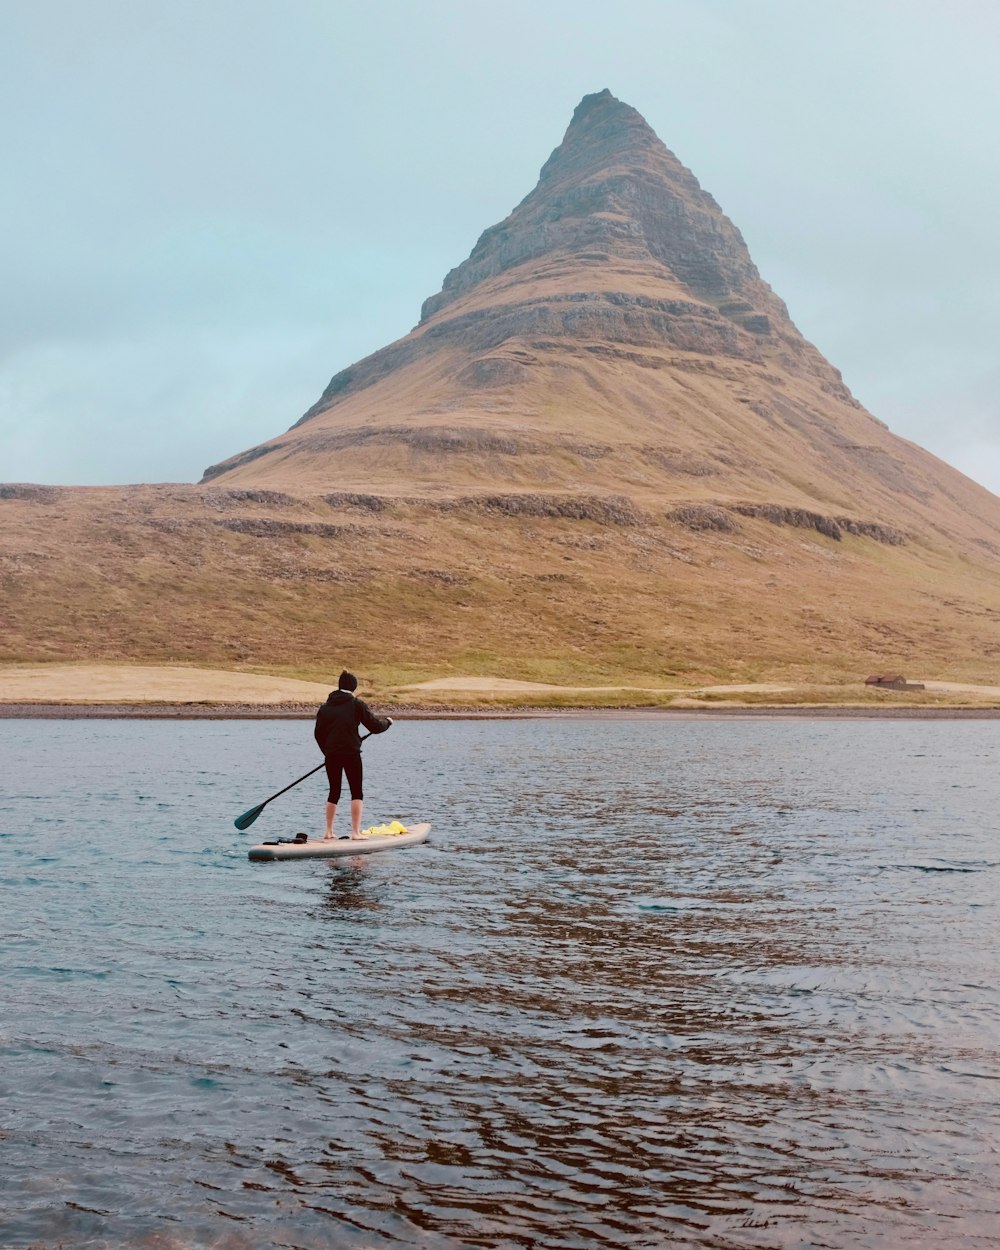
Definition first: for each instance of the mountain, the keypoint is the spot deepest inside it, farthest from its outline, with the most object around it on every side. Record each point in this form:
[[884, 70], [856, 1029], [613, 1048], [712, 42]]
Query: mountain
[[611, 334], [604, 449]]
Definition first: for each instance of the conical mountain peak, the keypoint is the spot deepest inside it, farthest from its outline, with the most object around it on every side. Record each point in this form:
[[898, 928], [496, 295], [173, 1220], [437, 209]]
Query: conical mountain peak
[[611, 331], [604, 133], [610, 195], [618, 256]]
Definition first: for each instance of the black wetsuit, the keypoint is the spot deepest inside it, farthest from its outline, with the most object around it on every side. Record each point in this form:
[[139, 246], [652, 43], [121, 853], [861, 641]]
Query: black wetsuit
[[337, 734]]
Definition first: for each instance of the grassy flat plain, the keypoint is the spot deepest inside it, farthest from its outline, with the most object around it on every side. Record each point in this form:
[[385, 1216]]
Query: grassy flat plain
[[138, 684]]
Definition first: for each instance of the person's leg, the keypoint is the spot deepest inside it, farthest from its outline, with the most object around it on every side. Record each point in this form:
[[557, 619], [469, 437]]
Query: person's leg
[[352, 767], [334, 773]]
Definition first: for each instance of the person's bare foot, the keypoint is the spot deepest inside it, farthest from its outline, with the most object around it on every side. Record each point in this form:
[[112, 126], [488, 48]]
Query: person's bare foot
[[329, 837]]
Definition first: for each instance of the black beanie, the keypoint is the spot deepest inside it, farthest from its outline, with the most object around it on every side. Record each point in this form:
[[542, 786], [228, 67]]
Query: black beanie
[[347, 681]]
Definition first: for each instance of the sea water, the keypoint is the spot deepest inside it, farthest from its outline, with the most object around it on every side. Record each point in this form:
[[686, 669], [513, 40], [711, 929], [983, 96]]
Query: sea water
[[652, 982]]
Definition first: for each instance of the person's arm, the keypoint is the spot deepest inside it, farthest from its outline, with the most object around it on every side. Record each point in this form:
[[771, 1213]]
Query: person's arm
[[319, 735], [374, 724]]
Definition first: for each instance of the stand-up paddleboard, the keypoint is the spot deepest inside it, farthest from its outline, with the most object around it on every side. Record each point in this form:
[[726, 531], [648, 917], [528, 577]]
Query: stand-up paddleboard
[[319, 848]]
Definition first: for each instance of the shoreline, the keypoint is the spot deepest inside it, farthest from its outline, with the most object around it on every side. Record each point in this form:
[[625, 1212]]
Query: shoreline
[[296, 711]]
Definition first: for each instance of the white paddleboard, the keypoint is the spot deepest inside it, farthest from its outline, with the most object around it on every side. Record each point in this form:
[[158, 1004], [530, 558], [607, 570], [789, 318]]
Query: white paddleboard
[[319, 848]]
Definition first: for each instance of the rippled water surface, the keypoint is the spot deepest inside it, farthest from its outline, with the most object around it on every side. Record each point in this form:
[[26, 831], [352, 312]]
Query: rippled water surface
[[725, 983]]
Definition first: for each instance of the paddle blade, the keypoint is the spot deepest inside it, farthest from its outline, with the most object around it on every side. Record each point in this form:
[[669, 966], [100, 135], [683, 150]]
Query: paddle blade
[[247, 819]]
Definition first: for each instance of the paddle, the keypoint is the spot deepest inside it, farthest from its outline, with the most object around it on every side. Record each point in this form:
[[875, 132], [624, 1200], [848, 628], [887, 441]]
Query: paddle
[[247, 819]]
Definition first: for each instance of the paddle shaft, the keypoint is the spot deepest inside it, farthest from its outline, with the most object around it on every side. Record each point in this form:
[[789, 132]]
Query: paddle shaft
[[293, 784], [247, 819]]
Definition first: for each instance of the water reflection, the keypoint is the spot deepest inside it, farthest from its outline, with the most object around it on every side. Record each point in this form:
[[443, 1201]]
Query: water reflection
[[348, 887]]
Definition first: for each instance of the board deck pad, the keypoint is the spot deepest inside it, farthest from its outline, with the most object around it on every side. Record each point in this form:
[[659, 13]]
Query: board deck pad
[[319, 848]]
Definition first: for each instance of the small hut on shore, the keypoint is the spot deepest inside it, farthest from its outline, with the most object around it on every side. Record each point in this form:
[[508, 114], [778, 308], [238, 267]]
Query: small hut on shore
[[892, 681]]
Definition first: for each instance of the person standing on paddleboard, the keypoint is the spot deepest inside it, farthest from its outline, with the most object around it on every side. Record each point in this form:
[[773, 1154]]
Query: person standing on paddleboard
[[336, 732]]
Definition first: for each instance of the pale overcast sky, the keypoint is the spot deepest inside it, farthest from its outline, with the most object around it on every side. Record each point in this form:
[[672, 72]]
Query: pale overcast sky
[[209, 207]]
